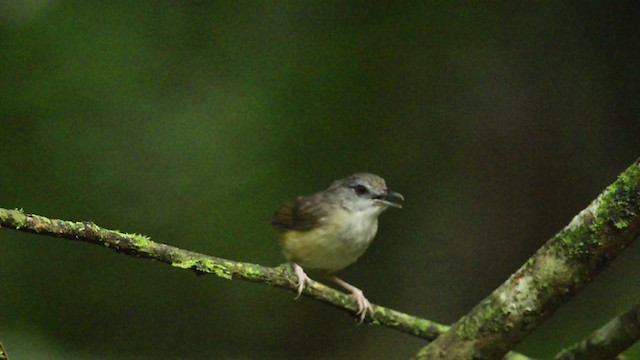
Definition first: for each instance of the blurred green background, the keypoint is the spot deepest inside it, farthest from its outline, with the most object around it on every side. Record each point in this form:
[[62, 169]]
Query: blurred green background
[[192, 122]]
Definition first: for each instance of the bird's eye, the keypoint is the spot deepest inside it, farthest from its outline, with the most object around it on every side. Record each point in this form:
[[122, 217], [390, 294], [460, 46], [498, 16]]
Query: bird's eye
[[360, 189]]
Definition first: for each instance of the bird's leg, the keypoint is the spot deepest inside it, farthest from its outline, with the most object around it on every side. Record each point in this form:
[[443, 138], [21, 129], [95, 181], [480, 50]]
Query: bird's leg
[[363, 304], [302, 277]]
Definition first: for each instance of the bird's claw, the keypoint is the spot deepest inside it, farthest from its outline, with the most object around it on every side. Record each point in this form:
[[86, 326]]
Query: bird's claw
[[364, 305], [302, 278]]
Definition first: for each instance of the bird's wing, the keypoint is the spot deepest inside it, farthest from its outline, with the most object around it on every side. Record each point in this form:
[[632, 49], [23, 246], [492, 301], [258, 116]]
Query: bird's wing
[[303, 213]]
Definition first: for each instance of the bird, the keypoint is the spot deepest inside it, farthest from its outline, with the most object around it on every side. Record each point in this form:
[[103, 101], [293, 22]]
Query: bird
[[331, 229]]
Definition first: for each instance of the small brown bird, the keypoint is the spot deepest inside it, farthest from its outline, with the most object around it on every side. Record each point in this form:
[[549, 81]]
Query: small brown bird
[[331, 229]]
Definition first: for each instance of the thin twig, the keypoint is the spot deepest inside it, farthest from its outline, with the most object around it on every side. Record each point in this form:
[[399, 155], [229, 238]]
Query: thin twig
[[608, 341], [142, 247], [555, 273]]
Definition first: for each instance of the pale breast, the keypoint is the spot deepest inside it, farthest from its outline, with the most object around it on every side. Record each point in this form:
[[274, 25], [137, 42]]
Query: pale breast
[[336, 244]]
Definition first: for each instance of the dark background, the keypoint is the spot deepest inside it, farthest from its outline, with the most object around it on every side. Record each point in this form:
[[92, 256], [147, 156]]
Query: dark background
[[191, 123]]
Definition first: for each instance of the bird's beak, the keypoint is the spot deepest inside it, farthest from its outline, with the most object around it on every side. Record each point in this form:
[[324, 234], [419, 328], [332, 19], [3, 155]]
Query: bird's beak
[[390, 194]]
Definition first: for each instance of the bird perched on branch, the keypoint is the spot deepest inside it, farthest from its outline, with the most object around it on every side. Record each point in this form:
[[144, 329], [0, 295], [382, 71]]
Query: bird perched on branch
[[331, 229]]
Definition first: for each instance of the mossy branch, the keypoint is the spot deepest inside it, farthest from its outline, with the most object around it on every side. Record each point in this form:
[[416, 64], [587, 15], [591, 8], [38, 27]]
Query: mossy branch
[[556, 272], [3, 352], [142, 247], [608, 341]]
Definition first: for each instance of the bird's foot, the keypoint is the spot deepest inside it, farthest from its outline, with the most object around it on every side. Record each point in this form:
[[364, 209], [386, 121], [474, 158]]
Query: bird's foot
[[364, 305], [302, 278]]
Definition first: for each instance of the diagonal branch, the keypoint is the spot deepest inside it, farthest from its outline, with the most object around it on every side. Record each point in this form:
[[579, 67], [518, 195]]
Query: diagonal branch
[[142, 247], [557, 271], [3, 352], [608, 341]]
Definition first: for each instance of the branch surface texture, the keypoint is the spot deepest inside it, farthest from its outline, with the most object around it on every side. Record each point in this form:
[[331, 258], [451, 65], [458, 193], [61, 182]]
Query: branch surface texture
[[556, 272], [142, 247]]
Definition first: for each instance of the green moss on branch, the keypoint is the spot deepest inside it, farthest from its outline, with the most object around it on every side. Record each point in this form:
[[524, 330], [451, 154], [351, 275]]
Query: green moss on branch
[[556, 272], [142, 247]]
